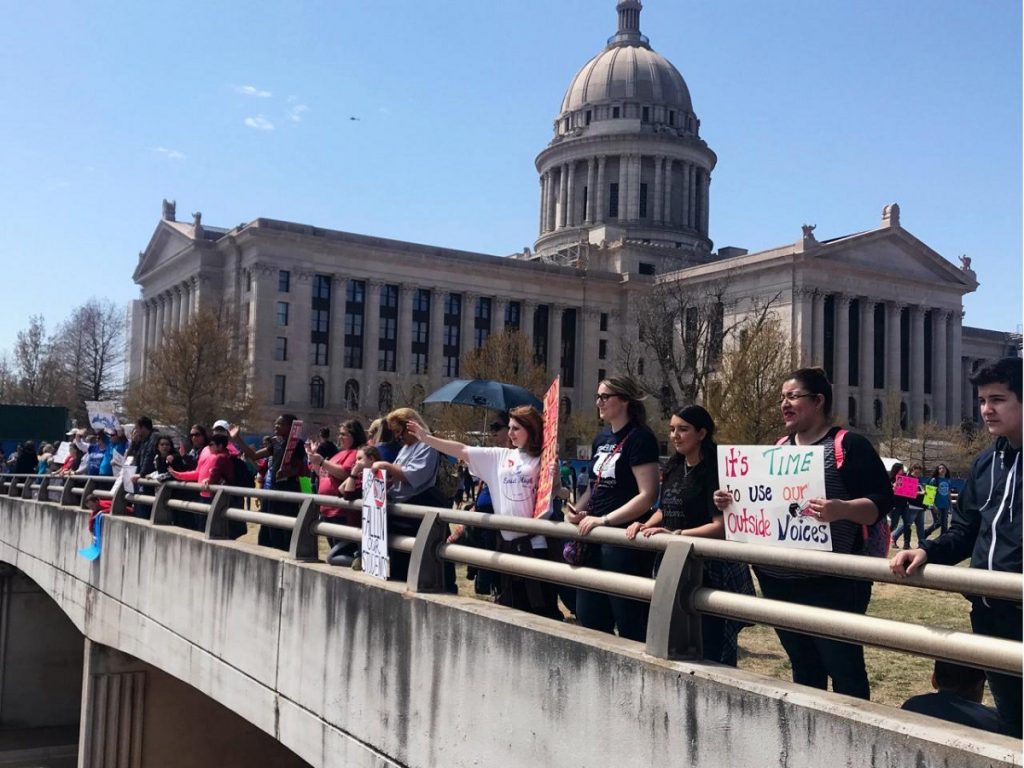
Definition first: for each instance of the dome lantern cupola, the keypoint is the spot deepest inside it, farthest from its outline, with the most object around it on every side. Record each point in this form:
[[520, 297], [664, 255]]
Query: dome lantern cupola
[[626, 151]]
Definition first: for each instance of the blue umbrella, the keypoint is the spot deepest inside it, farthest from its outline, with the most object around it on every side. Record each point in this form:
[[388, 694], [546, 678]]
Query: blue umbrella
[[483, 393]]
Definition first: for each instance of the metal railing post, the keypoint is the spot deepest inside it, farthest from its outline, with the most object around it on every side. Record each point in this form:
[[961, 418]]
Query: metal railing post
[[426, 569], [90, 485], [43, 494], [673, 629], [216, 521], [26, 489], [161, 514], [66, 496], [12, 488], [119, 499], [303, 543]]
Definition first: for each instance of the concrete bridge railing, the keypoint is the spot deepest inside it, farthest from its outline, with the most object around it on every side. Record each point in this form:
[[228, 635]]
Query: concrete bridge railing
[[333, 663]]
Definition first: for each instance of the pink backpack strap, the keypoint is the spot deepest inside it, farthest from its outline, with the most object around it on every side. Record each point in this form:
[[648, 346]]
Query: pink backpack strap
[[782, 440], [838, 447]]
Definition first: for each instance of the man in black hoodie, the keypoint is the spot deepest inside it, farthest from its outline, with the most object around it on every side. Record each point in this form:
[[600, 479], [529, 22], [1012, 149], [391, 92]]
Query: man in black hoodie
[[987, 525]]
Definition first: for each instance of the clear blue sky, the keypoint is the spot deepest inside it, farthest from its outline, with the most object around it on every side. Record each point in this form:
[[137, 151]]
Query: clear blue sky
[[820, 112]]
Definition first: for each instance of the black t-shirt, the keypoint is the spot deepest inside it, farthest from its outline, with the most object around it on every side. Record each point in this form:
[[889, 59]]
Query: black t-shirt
[[955, 709], [687, 494], [615, 454]]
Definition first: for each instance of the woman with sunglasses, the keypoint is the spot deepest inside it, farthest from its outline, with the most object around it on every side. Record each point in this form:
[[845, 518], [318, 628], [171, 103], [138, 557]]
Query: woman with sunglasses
[[623, 488], [857, 494]]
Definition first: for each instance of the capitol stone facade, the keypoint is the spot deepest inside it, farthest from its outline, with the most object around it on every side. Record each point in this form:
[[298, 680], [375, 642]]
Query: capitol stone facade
[[334, 323]]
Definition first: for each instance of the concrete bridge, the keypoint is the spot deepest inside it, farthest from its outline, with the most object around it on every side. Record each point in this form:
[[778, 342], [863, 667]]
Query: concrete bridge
[[175, 650]]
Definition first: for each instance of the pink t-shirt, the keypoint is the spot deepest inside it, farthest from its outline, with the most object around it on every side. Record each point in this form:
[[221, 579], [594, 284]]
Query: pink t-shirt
[[330, 485], [215, 467]]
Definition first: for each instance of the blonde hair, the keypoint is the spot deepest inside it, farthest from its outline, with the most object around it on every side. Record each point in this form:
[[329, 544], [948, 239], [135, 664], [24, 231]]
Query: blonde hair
[[399, 417]]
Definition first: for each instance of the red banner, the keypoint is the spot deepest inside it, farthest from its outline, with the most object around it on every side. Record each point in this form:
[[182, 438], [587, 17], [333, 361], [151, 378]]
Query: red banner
[[549, 454]]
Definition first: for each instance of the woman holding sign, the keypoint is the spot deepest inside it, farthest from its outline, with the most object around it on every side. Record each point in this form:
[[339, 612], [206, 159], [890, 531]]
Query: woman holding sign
[[512, 476], [687, 508], [857, 495], [624, 487]]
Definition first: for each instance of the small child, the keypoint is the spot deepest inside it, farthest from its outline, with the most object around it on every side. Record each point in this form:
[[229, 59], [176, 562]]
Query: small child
[[352, 488]]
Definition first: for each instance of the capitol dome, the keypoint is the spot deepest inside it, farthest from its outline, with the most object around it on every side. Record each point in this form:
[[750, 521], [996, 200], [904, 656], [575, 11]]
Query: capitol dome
[[627, 80], [625, 72], [626, 162]]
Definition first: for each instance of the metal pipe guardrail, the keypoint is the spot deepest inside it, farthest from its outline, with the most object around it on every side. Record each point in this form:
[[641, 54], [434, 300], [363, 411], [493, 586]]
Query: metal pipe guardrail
[[677, 597]]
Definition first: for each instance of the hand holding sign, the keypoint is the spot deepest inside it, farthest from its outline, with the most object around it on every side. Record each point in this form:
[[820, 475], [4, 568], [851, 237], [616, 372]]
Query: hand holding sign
[[775, 495]]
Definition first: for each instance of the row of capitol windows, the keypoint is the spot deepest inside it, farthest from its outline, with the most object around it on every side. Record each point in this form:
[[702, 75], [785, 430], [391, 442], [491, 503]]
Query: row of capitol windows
[[387, 339]]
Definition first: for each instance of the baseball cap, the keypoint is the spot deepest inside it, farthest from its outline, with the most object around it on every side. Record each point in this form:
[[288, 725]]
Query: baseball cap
[[221, 424]]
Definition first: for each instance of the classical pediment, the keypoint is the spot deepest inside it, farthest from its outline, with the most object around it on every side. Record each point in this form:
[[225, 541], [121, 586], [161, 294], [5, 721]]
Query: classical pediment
[[894, 255], [169, 239]]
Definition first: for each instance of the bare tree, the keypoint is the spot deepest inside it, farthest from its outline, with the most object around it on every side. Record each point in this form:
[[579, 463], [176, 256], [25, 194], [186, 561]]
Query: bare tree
[[8, 381], [892, 434], [683, 328], [90, 348], [745, 393], [36, 367], [197, 375]]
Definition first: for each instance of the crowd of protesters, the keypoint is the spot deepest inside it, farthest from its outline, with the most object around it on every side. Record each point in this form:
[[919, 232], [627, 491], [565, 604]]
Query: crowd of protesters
[[629, 488]]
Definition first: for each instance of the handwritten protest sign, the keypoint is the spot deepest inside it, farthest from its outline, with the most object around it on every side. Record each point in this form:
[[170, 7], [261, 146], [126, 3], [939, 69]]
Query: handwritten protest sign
[[62, 453], [770, 487], [928, 499], [294, 435], [101, 415], [549, 451], [905, 486], [375, 558]]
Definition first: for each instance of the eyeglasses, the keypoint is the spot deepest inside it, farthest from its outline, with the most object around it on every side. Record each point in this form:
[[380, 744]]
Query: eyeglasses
[[792, 397], [604, 398], [195, 434]]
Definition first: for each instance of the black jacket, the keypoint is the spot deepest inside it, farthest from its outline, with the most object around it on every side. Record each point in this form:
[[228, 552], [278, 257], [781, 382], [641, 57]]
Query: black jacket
[[986, 524]]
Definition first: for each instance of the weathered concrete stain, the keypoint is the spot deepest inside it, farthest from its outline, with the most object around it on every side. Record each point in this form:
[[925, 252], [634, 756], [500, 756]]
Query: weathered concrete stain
[[349, 672]]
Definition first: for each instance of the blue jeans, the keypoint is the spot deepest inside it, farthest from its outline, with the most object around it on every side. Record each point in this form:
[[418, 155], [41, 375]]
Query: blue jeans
[[605, 613], [911, 516]]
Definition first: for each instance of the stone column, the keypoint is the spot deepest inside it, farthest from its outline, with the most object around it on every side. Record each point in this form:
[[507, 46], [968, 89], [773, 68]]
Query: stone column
[[588, 214], [563, 179], [659, 167], [570, 195], [957, 392], [623, 187], [176, 308], [600, 207], [916, 366], [371, 345], [526, 310], [633, 212], [587, 336], [705, 196], [666, 211], [499, 306], [160, 309], [818, 344], [940, 407], [841, 358], [687, 215], [543, 200], [435, 358], [555, 337], [893, 354], [803, 325], [193, 296], [694, 221], [468, 321], [866, 412], [336, 346], [549, 201], [403, 336]]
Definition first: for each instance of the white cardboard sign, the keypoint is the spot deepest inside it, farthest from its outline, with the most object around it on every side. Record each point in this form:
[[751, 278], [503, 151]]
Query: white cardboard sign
[[770, 487], [375, 558]]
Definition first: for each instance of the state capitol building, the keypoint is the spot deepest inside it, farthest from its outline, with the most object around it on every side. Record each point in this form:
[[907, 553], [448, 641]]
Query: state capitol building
[[334, 323]]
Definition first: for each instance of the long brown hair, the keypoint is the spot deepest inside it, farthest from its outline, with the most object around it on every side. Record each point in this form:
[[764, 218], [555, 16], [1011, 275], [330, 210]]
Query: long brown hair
[[627, 388], [529, 418]]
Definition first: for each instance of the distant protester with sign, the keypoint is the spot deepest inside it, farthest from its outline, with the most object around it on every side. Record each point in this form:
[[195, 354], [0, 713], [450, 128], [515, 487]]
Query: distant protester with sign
[[687, 508], [940, 504], [987, 523], [512, 475], [623, 488], [857, 494]]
